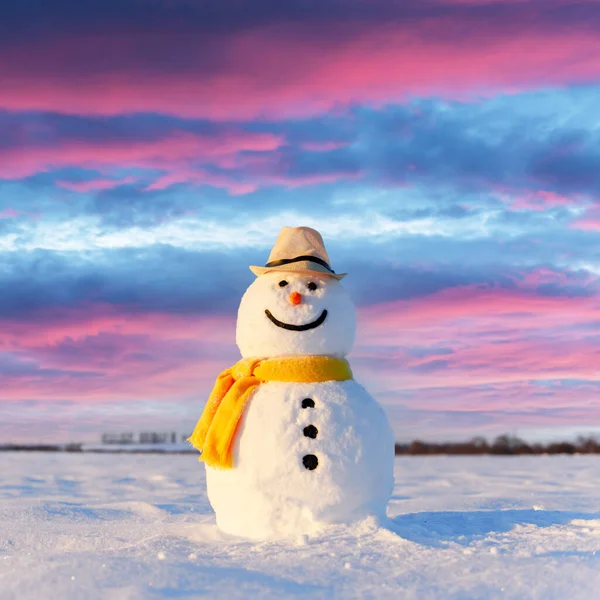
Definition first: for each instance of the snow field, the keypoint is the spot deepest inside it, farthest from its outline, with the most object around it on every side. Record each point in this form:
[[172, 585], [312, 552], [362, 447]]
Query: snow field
[[140, 526]]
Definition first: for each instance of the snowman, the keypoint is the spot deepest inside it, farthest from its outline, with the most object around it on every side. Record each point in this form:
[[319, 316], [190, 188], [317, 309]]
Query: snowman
[[291, 442]]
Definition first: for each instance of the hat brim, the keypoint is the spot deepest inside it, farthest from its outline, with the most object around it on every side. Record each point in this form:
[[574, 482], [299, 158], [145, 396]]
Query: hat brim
[[303, 267]]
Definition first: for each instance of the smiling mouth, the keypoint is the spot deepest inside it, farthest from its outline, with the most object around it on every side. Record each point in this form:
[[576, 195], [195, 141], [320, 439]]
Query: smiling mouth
[[291, 327]]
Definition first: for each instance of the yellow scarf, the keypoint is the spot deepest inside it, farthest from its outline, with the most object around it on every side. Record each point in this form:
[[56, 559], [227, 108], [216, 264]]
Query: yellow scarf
[[215, 432]]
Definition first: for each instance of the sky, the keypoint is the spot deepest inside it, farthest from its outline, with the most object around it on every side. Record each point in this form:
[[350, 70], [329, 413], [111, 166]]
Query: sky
[[447, 150]]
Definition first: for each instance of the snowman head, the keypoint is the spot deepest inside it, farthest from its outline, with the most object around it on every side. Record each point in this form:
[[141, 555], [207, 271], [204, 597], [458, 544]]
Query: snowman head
[[295, 314], [297, 305]]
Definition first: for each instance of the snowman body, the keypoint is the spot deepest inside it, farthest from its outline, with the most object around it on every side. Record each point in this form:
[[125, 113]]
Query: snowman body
[[305, 454]]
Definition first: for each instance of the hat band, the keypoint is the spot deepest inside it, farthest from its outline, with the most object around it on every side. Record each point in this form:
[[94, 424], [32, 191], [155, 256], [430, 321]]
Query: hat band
[[287, 261]]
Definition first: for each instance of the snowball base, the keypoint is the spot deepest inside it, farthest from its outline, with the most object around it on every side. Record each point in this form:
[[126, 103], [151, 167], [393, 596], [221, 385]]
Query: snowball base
[[270, 494]]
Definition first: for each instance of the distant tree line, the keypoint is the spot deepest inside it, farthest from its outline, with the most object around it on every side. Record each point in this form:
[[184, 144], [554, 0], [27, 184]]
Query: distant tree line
[[502, 445], [146, 437], [41, 448]]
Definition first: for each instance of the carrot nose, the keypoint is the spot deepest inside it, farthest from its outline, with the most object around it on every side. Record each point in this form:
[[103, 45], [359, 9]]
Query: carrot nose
[[295, 297]]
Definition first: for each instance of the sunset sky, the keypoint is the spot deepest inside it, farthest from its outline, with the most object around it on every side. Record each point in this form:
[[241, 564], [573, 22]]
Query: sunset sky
[[447, 150]]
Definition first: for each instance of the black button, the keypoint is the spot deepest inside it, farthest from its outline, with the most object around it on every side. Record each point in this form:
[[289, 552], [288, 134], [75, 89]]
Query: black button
[[311, 431], [310, 461], [308, 403]]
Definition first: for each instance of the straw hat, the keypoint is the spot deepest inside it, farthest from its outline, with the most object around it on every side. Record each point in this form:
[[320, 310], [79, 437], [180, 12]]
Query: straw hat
[[299, 250]]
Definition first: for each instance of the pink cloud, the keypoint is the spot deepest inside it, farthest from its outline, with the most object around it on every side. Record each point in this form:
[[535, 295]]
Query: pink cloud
[[507, 2], [532, 279], [288, 70], [160, 153], [588, 224], [299, 181], [485, 302], [202, 177], [541, 200], [177, 156], [94, 184], [100, 353], [323, 146], [9, 213], [52, 326], [522, 398], [495, 335], [590, 221]]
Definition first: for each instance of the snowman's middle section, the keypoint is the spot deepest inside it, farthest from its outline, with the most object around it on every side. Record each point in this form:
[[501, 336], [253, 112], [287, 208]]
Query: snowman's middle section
[[305, 453]]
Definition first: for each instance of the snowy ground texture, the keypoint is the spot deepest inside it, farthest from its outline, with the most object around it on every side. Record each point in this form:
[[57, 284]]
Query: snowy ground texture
[[139, 526]]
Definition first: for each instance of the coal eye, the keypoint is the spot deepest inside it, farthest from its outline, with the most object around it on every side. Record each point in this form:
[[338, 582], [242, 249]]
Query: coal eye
[[283, 283], [312, 286]]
